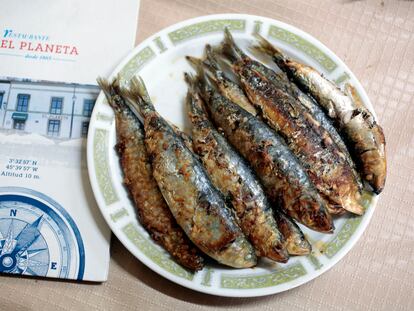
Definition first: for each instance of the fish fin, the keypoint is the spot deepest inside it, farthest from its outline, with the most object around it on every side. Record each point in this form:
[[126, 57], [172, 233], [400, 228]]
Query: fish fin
[[116, 84], [353, 94], [211, 60], [207, 69], [193, 89], [138, 86], [136, 97], [191, 81], [105, 86], [194, 102], [198, 65], [110, 92], [204, 81], [230, 49], [198, 62], [266, 47], [214, 63], [194, 61]]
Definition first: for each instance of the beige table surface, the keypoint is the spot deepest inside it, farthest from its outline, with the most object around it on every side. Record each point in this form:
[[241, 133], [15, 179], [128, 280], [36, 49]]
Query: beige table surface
[[376, 40]]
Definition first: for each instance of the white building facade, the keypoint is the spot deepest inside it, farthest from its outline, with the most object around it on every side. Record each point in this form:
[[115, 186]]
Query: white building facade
[[52, 109]]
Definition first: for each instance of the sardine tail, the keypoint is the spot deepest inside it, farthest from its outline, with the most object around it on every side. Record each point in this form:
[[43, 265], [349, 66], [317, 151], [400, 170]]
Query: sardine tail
[[116, 84], [204, 82], [194, 61], [191, 82], [138, 87], [194, 104], [198, 66], [213, 65], [205, 69], [211, 60], [109, 91], [266, 47], [136, 97], [229, 47], [105, 86]]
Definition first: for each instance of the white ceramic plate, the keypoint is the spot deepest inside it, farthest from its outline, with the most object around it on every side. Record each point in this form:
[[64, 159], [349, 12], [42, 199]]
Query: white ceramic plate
[[160, 61]]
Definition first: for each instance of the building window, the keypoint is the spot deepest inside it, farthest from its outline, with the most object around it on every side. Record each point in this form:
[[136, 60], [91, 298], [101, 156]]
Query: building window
[[22, 102], [56, 105], [19, 124], [53, 128], [88, 106], [85, 126], [1, 99]]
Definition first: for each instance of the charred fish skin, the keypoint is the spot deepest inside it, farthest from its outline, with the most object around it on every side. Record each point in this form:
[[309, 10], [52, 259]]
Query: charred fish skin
[[279, 82], [232, 176], [321, 124], [330, 173], [196, 205], [368, 142], [285, 181], [315, 115], [153, 212], [364, 136], [326, 124], [188, 140], [296, 242]]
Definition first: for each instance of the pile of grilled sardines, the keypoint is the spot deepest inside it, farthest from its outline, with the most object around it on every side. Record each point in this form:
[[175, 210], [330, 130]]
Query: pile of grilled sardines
[[268, 149]]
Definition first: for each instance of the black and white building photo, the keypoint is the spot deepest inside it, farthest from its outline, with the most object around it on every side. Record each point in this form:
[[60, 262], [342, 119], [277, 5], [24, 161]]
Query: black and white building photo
[[58, 110]]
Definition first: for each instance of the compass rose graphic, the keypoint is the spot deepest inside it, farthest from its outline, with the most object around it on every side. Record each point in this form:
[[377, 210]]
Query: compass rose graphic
[[38, 237], [17, 254]]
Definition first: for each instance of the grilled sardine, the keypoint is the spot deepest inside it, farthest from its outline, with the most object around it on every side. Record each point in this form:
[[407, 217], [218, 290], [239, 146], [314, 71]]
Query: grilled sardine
[[329, 172], [355, 122], [296, 243], [195, 203], [232, 176], [285, 181], [153, 212]]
